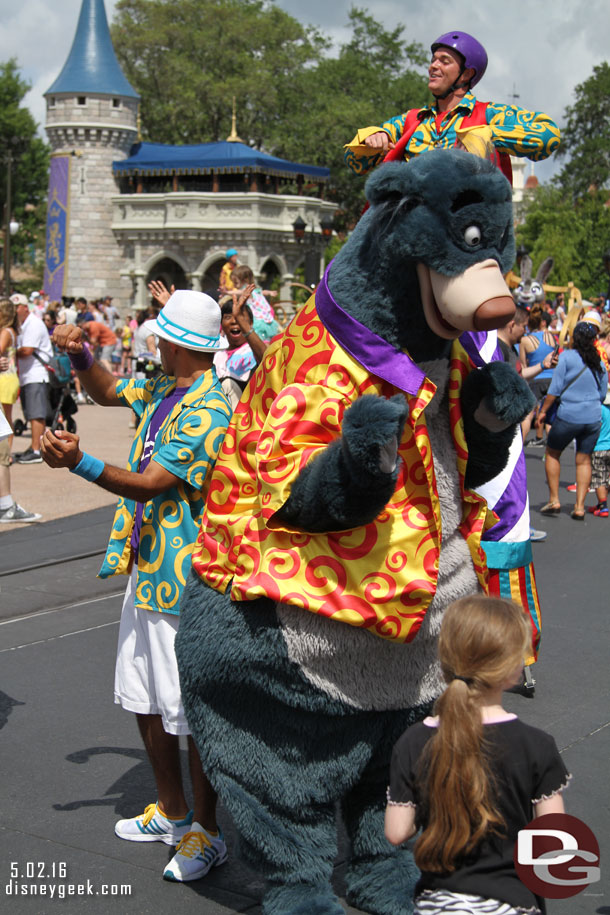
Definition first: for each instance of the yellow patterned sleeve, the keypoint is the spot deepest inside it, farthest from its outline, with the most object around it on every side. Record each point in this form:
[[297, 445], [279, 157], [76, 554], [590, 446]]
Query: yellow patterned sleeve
[[359, 157], [522, 133], [135, 393]]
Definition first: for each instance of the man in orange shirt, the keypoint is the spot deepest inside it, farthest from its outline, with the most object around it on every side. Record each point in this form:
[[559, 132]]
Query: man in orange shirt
[[103, 340]]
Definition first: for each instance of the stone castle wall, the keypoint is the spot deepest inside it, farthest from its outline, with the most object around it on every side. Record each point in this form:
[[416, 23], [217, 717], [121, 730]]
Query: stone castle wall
[[94, 131]]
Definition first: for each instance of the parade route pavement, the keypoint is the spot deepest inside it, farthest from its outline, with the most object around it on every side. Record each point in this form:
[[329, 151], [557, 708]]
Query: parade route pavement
[[73, 763]]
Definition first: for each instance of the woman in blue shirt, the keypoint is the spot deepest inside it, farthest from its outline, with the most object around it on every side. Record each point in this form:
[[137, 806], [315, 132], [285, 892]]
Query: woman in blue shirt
[[581, 381], [534, 347]]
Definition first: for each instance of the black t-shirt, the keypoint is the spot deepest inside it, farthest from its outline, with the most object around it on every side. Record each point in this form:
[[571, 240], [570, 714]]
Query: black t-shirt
[[527, 767], [508, 353]]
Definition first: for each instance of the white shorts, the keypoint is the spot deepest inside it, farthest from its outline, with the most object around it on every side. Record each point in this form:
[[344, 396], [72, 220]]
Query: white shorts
[[146, 674]]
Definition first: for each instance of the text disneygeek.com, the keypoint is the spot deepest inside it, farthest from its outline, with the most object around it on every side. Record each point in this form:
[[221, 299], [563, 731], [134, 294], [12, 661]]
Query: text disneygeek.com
[[37, 878]]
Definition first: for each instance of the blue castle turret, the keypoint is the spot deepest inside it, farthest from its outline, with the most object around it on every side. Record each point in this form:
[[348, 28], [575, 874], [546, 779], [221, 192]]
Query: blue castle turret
[[92, 65], [91, 122]]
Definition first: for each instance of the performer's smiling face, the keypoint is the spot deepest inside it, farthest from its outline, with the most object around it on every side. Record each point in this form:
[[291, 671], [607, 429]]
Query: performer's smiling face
[[444, 70]]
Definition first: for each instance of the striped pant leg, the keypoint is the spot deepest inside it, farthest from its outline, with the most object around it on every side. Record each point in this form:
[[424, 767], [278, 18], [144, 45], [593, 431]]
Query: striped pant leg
[[520, 585]]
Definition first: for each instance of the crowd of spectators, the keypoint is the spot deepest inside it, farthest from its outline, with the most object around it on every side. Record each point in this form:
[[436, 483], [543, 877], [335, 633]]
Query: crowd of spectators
[[570, 350], [124, 345]]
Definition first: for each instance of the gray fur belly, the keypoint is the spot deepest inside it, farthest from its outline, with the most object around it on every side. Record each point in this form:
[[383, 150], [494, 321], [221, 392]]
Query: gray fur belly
[[361, 669]]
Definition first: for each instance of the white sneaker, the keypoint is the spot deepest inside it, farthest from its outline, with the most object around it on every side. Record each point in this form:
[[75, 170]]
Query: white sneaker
[[153, 826], [16, 514], [197, 852]]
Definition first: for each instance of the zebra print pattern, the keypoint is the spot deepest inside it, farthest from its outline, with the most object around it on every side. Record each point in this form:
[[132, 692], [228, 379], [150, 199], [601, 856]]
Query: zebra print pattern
[[441, 902]]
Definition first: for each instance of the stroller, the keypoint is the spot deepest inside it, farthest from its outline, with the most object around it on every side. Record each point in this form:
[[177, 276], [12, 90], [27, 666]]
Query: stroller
[[146, 365], [62, 405]]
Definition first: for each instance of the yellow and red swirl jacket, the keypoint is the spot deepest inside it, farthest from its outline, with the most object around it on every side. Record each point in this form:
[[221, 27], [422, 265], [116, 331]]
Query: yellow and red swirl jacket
[[381, 576]]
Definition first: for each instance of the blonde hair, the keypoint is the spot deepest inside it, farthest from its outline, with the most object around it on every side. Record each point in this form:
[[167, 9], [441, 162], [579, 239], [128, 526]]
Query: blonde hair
[[482, 641], [8, 314]]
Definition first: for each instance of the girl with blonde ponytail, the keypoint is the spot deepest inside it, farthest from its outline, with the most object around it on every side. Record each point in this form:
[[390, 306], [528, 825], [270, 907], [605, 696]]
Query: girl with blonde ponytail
[[474, 775]]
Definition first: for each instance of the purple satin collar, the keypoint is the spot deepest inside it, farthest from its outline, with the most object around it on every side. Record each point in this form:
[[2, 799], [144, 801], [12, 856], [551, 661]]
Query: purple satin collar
[[374, 353]]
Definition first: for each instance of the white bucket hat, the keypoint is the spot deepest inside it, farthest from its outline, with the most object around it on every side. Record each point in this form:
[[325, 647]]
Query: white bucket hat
[[192, 320], [592, 317]]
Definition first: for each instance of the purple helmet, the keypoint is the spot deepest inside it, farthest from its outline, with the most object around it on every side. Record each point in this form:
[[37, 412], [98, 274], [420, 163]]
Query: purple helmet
[[471, 50]]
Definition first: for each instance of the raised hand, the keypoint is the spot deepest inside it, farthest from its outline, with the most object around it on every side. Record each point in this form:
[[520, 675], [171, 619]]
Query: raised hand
[[68, 338], [239, 308], [159, 291]]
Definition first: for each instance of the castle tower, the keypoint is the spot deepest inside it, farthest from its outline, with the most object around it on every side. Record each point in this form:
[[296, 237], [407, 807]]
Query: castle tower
[[91, 121]]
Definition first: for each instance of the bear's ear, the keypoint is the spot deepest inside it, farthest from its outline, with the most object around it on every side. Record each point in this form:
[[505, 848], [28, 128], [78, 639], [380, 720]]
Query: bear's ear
[[392, 181]]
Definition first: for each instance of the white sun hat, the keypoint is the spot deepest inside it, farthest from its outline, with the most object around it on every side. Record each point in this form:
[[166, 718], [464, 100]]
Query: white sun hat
[[192, 320]]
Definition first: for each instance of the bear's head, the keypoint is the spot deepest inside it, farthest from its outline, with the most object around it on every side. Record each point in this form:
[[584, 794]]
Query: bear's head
[[425, 262]]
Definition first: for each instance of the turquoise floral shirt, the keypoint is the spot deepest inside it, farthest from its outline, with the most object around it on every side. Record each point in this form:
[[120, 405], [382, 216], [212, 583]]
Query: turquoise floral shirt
[[187, 445], [513, 130]]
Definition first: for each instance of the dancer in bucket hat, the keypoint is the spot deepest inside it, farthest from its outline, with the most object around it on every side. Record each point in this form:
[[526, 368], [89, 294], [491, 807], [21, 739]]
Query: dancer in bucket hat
[[182, 417]]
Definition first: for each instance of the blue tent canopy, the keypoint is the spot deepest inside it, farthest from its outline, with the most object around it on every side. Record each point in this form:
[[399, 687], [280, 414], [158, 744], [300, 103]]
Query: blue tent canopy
[[210, 158]]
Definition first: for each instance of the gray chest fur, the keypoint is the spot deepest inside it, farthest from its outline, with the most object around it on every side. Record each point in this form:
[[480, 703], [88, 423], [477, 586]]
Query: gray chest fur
[[359, 668]]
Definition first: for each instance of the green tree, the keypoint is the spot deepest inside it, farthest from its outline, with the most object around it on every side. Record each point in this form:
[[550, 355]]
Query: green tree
[[29, 161], [586, 136], [575, 234], [373, 77], [189, 58], [570, 219], [295, 99]]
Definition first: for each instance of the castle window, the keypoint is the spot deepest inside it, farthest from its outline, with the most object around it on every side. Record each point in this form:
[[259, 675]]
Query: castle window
[[52, 102], [81, 100], [116, 103]]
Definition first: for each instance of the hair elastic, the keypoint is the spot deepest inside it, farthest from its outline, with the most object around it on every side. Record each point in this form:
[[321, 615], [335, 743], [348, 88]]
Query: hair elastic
[[89, 468], [466, 680]]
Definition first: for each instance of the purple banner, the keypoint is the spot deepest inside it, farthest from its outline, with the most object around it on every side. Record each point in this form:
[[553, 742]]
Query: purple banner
[[56, 252]]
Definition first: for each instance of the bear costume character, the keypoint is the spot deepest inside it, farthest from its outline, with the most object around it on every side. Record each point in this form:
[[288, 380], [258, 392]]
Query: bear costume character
[[341, 521]]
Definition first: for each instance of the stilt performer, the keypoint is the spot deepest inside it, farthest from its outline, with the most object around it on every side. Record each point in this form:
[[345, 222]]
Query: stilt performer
[[456, 117]]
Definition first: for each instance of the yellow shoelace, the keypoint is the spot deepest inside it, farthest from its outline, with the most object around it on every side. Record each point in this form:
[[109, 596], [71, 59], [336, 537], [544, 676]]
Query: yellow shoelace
[[149, 814], [192, 843]]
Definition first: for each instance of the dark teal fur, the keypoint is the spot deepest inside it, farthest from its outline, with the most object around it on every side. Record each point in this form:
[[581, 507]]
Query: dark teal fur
[[509, 397], [281, 753]]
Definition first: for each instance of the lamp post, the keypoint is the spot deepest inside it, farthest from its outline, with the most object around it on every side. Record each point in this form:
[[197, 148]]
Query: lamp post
[[11, 226], [314, 249]]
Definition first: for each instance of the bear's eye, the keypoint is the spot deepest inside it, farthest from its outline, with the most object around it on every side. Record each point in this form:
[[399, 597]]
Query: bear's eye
[[472, 236]]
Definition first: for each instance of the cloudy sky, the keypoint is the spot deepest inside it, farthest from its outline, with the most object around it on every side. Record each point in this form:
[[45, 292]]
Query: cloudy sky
[[538, 49]]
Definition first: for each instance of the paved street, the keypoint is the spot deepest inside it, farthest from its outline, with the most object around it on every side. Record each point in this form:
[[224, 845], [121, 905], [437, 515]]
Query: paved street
[[73, 763]]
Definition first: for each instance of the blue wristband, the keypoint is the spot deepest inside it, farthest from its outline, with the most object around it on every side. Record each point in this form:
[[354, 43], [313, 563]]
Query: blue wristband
[[89, 468]]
